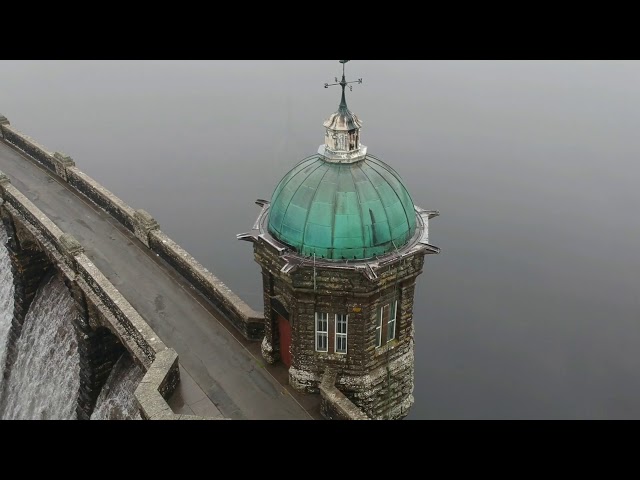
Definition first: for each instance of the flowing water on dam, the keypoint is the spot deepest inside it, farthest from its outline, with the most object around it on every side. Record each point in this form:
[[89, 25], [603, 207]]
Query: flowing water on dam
[[116, 400], [6, 297], [45, 378]]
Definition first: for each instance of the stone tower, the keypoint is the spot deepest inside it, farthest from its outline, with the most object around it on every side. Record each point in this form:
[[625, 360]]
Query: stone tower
[[340, 245]]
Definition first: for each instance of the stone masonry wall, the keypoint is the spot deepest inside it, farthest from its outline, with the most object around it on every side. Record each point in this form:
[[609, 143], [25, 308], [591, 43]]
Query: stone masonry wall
[[114, 311], [249, 322], [101, 197], [362, 374], [334, 404], [28, 146], [243, 317], [270, 348]]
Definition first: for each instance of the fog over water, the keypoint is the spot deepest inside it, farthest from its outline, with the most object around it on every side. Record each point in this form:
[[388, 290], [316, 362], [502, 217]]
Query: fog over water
[[532, 308]]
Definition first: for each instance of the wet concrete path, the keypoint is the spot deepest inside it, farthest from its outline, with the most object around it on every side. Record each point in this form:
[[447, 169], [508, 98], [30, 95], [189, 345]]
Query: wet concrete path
[[225, 374]]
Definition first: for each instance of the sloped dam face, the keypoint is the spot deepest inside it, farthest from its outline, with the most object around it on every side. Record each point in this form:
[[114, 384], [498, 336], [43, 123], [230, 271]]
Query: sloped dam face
[[6, 296], [116, 400], [44, 380]]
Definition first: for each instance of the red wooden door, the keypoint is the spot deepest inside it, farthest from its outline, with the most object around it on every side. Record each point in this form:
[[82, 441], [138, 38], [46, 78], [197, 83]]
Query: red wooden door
[[285, 340]]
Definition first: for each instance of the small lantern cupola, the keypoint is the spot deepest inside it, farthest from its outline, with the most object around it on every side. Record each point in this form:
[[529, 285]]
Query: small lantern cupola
[[342, 130]]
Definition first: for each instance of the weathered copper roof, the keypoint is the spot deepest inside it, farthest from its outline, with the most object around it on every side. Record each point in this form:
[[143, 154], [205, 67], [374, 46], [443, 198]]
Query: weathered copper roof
[[342, 211]]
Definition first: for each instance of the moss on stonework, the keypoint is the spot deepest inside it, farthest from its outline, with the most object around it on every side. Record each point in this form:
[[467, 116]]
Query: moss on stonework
[[363, 374]]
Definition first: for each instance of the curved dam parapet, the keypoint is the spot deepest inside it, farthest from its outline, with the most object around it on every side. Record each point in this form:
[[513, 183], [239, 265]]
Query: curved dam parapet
[[139, 222], [36, 245], [136, 288]]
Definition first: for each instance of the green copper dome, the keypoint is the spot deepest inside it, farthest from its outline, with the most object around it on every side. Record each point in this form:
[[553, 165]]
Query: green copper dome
[[342, 210]]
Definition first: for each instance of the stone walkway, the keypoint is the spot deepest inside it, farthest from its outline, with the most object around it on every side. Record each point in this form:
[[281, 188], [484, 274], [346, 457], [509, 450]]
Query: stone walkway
[[228, 370]]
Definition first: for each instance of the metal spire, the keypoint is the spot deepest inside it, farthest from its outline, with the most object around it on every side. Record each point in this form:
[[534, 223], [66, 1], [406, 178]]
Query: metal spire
[[343, 83]]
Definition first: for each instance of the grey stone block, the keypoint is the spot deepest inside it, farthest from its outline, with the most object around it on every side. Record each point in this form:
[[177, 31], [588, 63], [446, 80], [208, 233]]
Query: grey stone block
[[143, 223], [61, 162], [70, 245]]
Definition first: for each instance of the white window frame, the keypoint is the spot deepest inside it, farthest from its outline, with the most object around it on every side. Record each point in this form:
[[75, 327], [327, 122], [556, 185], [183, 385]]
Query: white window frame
[[391, 324], [379, 326], [324, 317], [340, 335]]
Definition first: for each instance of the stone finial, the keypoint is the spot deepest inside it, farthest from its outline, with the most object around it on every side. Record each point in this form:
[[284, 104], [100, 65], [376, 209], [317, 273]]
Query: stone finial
[[143, 223], [64, 159], [4, 120], [4, 180], [70, 245], [145, 218]]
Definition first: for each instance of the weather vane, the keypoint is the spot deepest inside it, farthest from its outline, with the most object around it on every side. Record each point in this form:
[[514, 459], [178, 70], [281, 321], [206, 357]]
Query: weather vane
[[343, 83]]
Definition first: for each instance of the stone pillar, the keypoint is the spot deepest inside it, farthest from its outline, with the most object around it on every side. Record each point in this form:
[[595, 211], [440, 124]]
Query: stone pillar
[[99, 351], [143, 223], [3, 121], [62, 161], [270, 347], [30, 266], [98, 348]]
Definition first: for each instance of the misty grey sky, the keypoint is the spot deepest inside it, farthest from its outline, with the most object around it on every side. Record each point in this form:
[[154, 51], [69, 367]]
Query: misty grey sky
[[530, 311]]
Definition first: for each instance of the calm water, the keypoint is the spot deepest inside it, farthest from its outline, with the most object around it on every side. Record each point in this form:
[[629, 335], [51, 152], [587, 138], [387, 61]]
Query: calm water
[[530, 311]]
